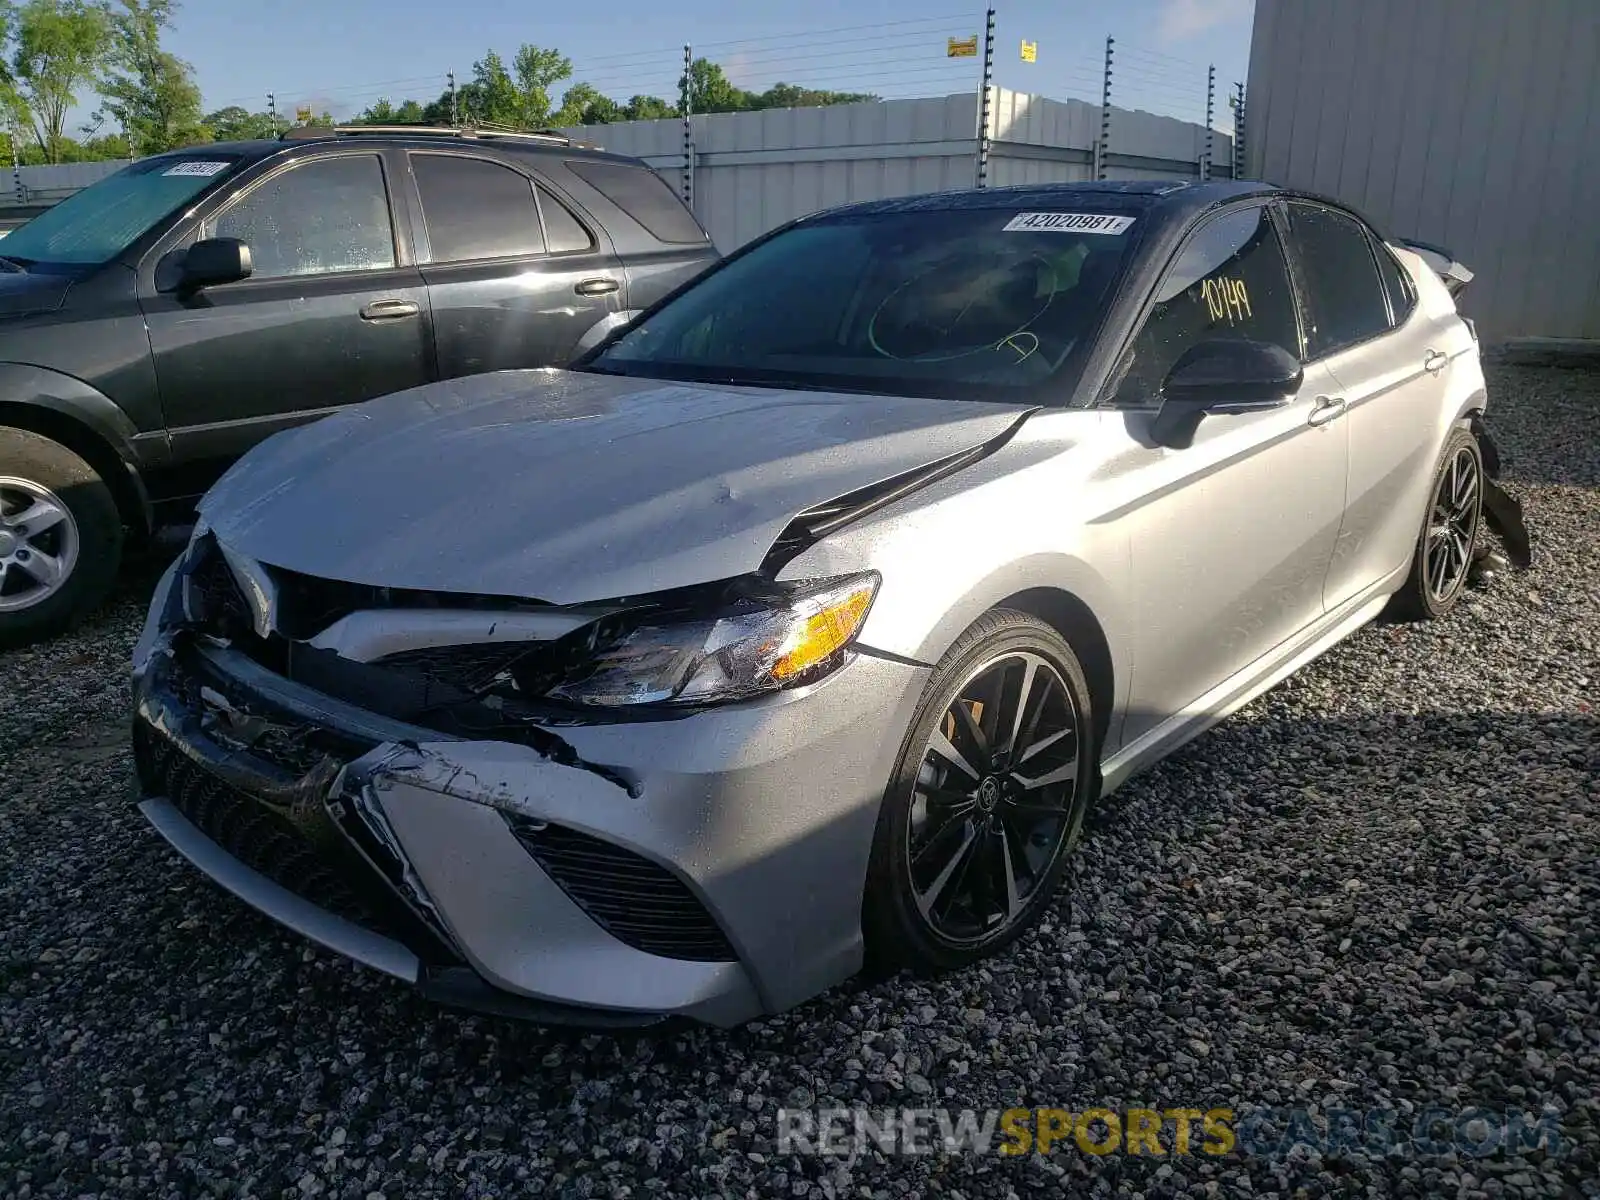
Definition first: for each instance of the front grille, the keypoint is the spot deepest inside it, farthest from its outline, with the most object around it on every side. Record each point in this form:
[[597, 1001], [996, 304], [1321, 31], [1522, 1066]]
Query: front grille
[[310, 864], [223, 608], [470, 667], [638, 902]]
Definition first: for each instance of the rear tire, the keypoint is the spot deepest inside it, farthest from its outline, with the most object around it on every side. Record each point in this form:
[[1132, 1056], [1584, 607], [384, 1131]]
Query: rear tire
[[968, 854], [60, 538], [1441, 563]]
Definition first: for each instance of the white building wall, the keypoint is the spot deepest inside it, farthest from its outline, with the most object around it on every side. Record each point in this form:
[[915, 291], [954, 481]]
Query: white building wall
[[1473, 124], [755, 171]]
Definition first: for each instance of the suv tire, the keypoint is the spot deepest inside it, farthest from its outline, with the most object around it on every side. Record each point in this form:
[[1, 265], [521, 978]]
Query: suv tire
[[76, 523]]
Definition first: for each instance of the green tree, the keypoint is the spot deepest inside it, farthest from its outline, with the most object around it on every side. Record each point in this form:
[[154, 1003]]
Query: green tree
[[384, 112], [710, 90], [110, 145], [489, 97], [792, 95], [647, 108], [150, 91], [537, 70], [517, 98], [61, 45], [583, 104], [235, 124]]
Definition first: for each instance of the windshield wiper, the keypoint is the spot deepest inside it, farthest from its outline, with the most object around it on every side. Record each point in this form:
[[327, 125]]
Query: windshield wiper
[[14, 265]]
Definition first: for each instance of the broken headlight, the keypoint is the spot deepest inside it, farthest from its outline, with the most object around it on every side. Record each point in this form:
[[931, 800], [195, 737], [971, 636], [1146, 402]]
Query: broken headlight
[[746, 651]]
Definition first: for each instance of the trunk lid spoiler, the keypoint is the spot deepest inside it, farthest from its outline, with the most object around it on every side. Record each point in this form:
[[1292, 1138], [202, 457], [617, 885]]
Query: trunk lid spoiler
[[1456, 276]]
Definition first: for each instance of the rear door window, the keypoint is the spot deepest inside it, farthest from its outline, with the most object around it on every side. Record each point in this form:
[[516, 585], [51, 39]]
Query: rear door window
[[564, 232], [644, 196], [476, 209], [1346, 296], [1396, 285]]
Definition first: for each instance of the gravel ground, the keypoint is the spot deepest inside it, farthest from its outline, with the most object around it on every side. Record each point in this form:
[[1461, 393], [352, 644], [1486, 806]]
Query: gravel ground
[[1375, 887]]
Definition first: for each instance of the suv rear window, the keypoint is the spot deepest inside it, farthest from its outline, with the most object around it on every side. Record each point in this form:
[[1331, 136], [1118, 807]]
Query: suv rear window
[[476, 209], [644, 196]]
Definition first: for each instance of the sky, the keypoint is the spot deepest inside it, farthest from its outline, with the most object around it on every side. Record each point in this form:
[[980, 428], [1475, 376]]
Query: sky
[[341, 55]]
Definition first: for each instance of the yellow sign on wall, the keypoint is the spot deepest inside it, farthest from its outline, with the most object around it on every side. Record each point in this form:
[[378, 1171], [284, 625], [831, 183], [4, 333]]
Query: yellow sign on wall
[[1030, 51], [962, 47], [303, 113]]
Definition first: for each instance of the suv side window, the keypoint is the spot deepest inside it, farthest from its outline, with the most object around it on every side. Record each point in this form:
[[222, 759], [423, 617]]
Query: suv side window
[[329, 214], [644, 196], [1342, 286], [563, 232], [1397, 284], [476, 209], [1229, 280]]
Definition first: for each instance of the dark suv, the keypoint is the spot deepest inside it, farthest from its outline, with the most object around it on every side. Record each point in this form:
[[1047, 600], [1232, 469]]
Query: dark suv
[[156, 325]]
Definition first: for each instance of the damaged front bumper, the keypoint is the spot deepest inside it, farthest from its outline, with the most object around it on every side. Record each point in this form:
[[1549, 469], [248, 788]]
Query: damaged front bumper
[[721, 882]]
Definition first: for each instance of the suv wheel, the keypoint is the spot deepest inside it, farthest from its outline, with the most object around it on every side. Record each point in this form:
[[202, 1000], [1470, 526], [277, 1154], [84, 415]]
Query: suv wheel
[[60, 537]]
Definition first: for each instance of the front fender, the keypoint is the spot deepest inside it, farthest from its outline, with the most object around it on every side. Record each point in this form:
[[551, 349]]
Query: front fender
[[26, 385]]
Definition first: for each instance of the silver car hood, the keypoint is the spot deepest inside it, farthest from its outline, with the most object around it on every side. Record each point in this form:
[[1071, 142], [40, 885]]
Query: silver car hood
[[569, 487]]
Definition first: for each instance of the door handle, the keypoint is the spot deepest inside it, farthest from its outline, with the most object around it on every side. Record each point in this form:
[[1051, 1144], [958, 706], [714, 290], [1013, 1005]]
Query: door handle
[[1327, 408], [1435, 361], [596, 287], [389, 310]]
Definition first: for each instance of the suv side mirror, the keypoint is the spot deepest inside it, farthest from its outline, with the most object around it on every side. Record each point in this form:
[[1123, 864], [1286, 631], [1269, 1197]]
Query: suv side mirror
[[212, 261], [1224, 375]]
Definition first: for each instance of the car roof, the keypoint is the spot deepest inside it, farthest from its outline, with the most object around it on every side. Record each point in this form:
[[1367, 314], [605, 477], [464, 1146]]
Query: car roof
[[256, 149], [1172, 199]]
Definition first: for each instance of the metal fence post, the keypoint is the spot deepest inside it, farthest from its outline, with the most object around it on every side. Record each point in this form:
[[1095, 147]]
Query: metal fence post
[[454, 119], [983, 100], [1102, 147], [272, 111], [1238, 131], [16, 166], [685, 100], [1211, 103]]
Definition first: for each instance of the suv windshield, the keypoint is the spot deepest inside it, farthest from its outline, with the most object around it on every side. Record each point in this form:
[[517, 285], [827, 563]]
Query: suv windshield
[[100, 222], [971, 304]]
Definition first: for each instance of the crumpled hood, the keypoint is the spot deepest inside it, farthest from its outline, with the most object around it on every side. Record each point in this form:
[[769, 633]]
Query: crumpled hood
[[569, 487]]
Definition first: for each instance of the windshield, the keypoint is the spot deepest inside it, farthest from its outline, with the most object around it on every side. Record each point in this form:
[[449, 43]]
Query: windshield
[[971, 304], [100, 222]]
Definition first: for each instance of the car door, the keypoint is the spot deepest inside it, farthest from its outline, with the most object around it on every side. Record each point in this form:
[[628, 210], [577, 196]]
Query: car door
[[1388, 360], [332, 314], [515, 277], [1229, 538]]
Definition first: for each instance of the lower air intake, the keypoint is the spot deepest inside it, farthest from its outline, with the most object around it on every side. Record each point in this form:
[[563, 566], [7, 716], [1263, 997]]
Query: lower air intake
[[638, 902]]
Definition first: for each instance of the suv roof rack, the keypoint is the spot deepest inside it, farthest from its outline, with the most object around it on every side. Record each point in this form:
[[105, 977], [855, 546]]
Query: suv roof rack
[[471, 132]]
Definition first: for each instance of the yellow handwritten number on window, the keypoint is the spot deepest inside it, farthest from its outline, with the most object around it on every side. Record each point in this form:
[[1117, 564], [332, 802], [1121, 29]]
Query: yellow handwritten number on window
[[1226, 300]]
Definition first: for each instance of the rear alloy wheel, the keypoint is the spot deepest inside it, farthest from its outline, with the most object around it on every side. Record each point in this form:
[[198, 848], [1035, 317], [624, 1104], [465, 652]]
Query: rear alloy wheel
[[1442, 562], [988, 798], [60, 537]]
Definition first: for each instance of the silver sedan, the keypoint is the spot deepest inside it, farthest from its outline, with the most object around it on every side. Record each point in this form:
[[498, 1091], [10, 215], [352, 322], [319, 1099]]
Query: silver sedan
[[804, 618]]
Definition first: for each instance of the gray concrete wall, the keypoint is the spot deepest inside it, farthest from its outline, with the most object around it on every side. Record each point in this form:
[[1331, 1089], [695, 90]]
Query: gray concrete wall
[[1474, 124]]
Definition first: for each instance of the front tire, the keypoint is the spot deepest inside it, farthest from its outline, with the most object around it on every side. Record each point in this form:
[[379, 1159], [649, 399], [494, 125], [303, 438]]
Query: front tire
[[1441, 564], [987, 798], [60, 537]]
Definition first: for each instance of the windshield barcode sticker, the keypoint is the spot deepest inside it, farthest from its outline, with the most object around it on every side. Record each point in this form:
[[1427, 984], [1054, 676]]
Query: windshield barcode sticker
[[1060, 222], [196, 168]]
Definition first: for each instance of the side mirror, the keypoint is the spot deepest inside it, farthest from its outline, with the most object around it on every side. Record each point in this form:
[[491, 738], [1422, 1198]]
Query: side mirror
[[1224, 375], [210, 262]]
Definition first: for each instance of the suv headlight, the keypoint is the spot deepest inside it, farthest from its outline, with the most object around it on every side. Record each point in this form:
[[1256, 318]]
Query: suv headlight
[[760, 647]]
